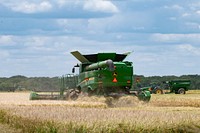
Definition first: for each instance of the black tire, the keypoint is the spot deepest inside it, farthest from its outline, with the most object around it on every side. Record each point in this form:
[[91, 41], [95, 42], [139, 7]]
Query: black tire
[[181, 91], [158, 91], [89, 92], [72, 94]]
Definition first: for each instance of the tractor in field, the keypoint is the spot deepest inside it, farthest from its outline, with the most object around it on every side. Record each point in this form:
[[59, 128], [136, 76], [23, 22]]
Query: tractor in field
[[101, 74], [155, 88], [174, 86]]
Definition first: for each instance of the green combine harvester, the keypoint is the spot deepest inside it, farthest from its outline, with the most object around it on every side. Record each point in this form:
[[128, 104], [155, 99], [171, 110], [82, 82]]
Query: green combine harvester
[[102, 74]]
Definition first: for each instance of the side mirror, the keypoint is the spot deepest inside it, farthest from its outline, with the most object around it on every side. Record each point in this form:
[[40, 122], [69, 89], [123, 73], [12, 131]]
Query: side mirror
[[73, 70]]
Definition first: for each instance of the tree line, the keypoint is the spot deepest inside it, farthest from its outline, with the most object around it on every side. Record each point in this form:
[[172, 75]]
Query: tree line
[[22, 83]]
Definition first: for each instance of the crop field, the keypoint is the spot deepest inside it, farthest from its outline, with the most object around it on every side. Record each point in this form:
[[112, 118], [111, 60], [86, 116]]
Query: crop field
[[164, 113]]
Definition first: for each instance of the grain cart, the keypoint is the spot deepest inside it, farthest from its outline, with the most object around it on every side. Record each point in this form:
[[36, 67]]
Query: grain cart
[[105, 74], [177, 86]]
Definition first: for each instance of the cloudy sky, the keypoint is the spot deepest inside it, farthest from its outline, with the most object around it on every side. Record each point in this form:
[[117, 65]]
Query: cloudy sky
[[37, 36]]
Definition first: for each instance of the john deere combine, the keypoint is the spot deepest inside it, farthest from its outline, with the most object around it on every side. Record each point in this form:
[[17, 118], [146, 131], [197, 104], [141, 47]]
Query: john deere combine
[[104, 74]]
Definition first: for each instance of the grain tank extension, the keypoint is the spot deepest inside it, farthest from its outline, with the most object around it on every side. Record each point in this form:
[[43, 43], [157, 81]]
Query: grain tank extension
[[106, 74]]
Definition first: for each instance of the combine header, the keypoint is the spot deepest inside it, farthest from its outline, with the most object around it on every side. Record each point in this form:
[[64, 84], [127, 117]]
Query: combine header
[[104, 74]]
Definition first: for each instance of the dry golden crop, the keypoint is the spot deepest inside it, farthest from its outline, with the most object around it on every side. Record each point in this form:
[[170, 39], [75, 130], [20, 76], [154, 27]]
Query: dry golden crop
[[164, 113], [6, 129]]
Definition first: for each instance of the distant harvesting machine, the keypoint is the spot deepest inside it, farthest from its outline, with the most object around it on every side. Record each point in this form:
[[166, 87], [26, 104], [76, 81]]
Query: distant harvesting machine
[[101, 74]]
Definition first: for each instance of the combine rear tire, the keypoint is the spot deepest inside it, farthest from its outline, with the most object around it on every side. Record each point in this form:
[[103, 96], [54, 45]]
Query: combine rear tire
[[181, 91]]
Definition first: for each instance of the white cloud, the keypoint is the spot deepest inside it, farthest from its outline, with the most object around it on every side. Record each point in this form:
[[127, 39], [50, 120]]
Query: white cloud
[[186, 14], [100, 5], [174, 7], [193, 25], [50, 55], [173, 18], [165, 37], [35, 41], [42, 44], [30, 7], [63, 23], [62, 3], [4, 54], [177, 7], [188, 48], [73, 25], [194, 5], [198, 12], [6, 40], [125, 22], [176, 38], [191, 11]]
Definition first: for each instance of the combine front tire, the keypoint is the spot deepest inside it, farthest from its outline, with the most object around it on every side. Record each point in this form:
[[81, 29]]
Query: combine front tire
[[71, 94]]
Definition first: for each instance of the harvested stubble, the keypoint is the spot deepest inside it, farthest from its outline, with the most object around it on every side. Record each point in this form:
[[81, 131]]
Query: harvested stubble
[[175, 100], [126, 116]]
